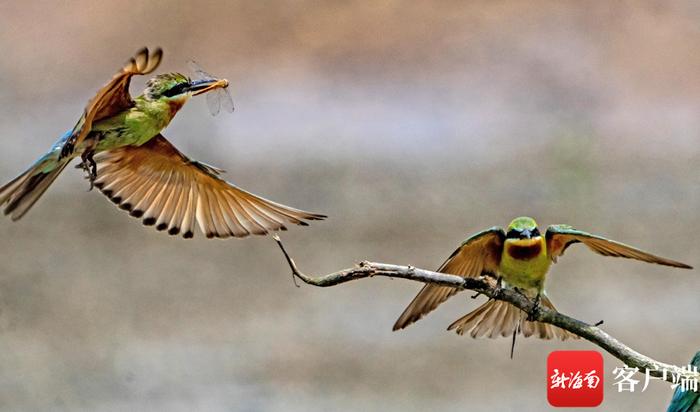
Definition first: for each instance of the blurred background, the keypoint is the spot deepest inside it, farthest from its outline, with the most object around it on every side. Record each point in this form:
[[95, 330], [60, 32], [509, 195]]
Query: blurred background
[[412, 125]]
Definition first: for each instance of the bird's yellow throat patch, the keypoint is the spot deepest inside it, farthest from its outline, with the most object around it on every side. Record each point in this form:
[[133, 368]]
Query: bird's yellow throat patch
[[524, 249]]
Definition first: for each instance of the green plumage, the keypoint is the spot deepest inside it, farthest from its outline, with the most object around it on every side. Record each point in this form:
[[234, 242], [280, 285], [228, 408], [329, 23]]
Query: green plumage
[[686, 401]]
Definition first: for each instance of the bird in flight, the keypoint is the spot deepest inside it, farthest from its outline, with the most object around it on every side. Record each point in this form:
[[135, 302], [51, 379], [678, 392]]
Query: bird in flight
[[519, 257], [126, 157]]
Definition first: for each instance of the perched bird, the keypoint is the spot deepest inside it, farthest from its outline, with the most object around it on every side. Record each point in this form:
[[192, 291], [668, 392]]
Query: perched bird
[[519, 257], [144, 173], [688, 400]]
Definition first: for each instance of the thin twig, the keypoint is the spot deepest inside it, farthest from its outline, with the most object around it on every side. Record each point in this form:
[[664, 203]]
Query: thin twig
[[289, 259], [487, 286]]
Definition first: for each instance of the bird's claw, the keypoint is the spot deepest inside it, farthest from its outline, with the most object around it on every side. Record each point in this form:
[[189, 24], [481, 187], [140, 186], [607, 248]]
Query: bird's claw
[[499, 286], [532, 315], [90, 167]]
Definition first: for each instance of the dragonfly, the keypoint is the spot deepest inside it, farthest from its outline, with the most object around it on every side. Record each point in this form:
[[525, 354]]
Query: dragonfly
[[216, 99]]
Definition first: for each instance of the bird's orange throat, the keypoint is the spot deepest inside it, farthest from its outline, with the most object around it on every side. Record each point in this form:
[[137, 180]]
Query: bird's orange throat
[[176, 105], [524, 249]]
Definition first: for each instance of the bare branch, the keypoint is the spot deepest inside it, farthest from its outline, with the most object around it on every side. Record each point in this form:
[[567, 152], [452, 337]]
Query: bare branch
[[487, 286]]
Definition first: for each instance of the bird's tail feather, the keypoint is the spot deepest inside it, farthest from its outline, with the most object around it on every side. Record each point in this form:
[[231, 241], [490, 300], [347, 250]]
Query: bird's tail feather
[[20, 194], [499, 318]]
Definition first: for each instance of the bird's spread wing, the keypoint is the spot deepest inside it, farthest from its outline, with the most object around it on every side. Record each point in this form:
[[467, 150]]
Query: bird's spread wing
[[159, 184], [480, 254], [114, 97], [559, 237]]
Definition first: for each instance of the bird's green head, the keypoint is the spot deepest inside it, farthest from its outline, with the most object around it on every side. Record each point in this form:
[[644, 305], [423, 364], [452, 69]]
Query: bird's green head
[[522, 228], [178, 87]]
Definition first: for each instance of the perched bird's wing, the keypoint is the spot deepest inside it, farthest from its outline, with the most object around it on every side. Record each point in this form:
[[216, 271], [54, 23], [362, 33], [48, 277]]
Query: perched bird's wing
[[157, 182], [559, 237], [114, 97], [478, 255]]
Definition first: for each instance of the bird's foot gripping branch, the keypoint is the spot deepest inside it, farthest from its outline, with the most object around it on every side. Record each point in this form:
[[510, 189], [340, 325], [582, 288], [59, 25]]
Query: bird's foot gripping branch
[[488, 286]]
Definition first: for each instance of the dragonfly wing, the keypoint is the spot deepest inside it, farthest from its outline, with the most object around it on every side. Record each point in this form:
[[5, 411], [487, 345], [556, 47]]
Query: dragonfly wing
[[213, 102], [226, 100]]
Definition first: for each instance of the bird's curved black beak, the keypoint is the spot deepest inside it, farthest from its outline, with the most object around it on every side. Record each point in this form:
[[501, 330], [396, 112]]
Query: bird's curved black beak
[[205, 85], [526, 234]]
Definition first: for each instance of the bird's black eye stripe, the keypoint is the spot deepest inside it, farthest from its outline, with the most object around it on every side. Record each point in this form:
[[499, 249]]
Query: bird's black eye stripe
[[513, 234], [535, 232], [175, 90]]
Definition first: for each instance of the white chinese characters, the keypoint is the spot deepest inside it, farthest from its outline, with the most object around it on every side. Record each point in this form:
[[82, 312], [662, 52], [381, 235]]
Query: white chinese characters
[[573, 380], [625, 382]]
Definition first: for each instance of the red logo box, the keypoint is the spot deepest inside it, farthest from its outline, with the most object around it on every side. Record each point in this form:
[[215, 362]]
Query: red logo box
[[575, 378]]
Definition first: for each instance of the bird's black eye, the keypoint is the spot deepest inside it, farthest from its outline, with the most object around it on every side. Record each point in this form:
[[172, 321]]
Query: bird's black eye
[[175, 90], [513, 234], [535, 232]]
